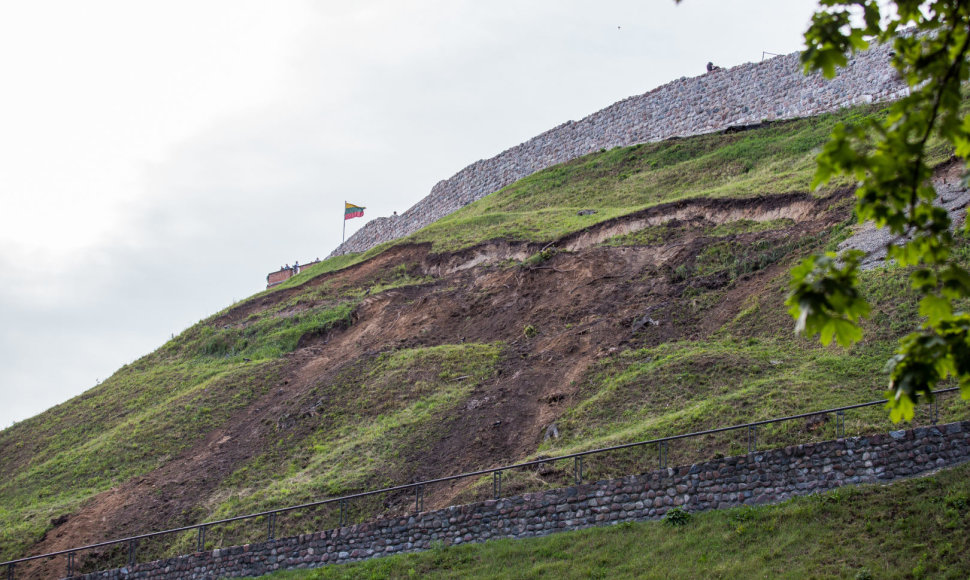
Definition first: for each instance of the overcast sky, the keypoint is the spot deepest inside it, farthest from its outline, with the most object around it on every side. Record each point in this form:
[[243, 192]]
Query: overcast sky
[[158, 159]]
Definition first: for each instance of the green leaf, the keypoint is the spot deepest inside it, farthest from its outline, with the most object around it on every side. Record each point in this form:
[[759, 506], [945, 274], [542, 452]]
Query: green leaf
[[901, 408], [935, 309], [956, 281], [847, 332], [961, 139], [923, 279], [858, 42]]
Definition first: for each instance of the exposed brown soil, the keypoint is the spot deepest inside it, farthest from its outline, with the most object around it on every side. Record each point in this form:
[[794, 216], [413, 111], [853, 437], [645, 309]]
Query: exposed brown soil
[[584, 302]]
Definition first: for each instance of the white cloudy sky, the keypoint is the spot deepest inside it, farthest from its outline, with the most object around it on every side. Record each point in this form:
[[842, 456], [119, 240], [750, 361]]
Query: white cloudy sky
[[157, 159]]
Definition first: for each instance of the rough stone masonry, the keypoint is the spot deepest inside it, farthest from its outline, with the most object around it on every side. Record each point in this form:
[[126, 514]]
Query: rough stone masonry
[[743, 95], [755, 478]]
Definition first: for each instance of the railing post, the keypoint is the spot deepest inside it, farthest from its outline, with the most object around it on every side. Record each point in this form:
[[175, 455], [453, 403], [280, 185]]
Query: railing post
[[201, 543], [271, 525], [343, 512], [419, 498], [752, 438], [10, 571], [132, 547], [663, 454], [70, 564], [578, 470], [497, 484], [934, 411], [840, 424]]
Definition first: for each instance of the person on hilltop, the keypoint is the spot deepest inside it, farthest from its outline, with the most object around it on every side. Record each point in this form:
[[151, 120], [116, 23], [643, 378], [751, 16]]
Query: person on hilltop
[[711, 67]]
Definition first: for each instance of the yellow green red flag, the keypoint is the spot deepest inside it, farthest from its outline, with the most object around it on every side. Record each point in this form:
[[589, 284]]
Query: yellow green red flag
[[353, 211]]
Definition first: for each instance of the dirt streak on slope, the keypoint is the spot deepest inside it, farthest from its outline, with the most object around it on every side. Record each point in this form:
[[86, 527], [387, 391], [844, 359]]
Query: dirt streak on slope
[[583, 304]]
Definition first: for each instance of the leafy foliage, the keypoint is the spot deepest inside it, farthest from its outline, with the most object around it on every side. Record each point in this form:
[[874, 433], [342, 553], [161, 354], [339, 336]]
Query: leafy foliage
[[890, 160], [825, 299]]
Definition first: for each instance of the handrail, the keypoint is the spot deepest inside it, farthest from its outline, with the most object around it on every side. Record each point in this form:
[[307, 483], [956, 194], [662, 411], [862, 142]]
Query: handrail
[[455, 477]]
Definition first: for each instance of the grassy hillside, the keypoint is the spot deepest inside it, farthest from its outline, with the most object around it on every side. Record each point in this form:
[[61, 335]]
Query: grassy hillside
[[449, 352], [777, 158]]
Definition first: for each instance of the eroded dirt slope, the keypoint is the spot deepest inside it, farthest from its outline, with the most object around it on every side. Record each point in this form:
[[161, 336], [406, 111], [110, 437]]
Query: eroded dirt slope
[[581, 300]]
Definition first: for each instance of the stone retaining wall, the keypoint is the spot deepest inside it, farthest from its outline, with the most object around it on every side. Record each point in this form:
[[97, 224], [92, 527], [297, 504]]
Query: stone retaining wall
[[743, 95], [756, 478]]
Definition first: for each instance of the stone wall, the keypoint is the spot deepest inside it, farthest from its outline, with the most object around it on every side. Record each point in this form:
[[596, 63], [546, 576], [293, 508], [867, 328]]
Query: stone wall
[[756, 478], [743, 95]]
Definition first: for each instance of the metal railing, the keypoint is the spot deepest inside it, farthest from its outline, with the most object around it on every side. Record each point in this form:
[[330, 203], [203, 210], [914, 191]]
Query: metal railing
[[271, 516]]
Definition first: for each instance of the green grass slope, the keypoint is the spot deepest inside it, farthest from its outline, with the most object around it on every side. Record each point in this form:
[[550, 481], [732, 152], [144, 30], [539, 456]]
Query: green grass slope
[[285, 397]]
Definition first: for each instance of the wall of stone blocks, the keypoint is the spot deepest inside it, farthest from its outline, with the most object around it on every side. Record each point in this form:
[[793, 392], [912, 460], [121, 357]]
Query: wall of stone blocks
[[756, 478], [743, 95]]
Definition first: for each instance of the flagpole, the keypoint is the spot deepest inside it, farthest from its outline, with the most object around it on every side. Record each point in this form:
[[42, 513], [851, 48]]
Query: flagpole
[[343, 237]]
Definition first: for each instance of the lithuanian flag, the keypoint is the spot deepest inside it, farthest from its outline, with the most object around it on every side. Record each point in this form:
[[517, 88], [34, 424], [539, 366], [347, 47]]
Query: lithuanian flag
[[352, 211]]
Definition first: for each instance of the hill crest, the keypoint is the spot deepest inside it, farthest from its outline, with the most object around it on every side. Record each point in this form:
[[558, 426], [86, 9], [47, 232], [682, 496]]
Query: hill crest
[[747, 94]]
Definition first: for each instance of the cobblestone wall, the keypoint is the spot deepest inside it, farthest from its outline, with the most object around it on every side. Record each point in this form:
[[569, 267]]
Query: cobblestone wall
[[743, 95], [755, 478]]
